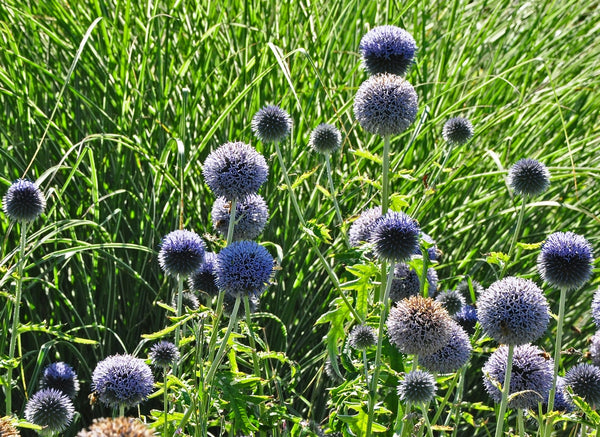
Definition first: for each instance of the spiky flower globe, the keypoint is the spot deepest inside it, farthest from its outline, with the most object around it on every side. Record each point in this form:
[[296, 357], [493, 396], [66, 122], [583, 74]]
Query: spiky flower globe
[[565, 260], [467, 318], [62, 377], [51, 409], [584, 380], [7, 428], [562, 400], [116, 427], [417, 387], [513, 311], [271, 124], [452, 356], [325, 139], [595, 349], [457, 130], [531, 376], [235, 170], [387, 49], [189, 300], [528, 177], [385, 105], [244, 267], [395, 237], [181, 253], [419, 325], [164, 354], [204, 279], [452, 300], [596, 308], [362, 337], [250, 218], [23, 201], [122, 380], [361, 229], [406, 282], [464, 289]]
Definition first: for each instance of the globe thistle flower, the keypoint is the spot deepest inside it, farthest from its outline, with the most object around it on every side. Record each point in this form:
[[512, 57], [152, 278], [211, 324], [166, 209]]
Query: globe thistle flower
[[584, 380], [452, 300], [250, 217], [464, 289], [122, 380], [204, 279], [244, 267], [385, 105], [24, 201], [395, 237], [362, 337], [189, 300], [51, 409], [562, 400], [530, 379], [595, 349], [417, 387], [419, 325], [528, 177], [325, 139], [361, 229], [406, 282], [235, 170], [451, 357], [7, 429], [457, 130], [467, 318], [271, 124], [117, 426], [565, 260], [596, 308], [513, 311], [164, 354], [62, 377], [181, 253], [432, 251], [387, 49]]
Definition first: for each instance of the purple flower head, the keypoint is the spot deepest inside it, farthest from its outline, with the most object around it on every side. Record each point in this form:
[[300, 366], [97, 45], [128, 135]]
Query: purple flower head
[[117, 426], [452, 300], [417, 387], [596, 308], [181, 253], [244, 267], [189, 300], [51, 409], [387, 49], [457, 130], [513, 311], [325, 139], [62, 377], [362, 227], [395, 237], [164, 354], [530, 379], [250, 217], [584, 380], [419, 325], [529, 177], [204, 279], [595, 349], [122, 380], [464, 289], [235, 170], [451, 357], [406, 282], [271, 124], [565, 260], [467, 318], [362, 337], [23, 201], [385, 105]]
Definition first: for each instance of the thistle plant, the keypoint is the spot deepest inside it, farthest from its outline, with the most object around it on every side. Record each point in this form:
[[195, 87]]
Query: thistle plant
[[51, 409], [164, 355]]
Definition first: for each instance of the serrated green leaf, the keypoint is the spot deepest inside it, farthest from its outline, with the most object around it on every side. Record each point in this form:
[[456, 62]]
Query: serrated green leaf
[[530, 246], [368, 155], [302, 178], [55, 332], [497, 258], [398, 202]]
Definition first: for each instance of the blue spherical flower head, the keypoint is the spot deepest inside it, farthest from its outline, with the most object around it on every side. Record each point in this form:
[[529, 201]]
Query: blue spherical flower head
[[62, 377], [584, 380], [467, 318], [464, 289], [451, 357], [205, 278], [457, 130], [596, 308], [235, 170], [395, 237], [452, 300], [387, 49], [529, 177], [164, 354], [361, 229], [116, 426], [417, 387], [189, 300], [362, 337], [122, 380], [385, 105], [531, 376], [406, 282], [23, 201], [181, 253], [595, 349], [565, 260], [513, 311], [244, 267], [325, 139], [51, 409], [271, 124], [250, 217]]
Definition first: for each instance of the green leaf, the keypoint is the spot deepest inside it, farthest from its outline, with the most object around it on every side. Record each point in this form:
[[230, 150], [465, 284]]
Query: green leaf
[[302, 178], [358, 422], [368, 155], [398, 202], [54, 331], [318, 231], [530, 246], [497, 258]]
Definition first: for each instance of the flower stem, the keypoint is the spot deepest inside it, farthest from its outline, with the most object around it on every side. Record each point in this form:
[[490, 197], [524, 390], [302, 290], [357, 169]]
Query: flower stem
[[505, 391], [179, 313], [515, 238], [255, 361], [334, 198], [215, 364], [385, 189], [232, 214], [426, 418], [165, 404], [520, 423]]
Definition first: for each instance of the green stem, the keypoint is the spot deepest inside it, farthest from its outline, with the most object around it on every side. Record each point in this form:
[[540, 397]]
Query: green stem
[[215, 364], [513, 243], [165, 404], [385, 189], [457, 400], [232, 214], [255, 362], [121, 410], [14, 331], [520, 423], [179, 313], [505, 391], [426, 418], [334, 198]]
